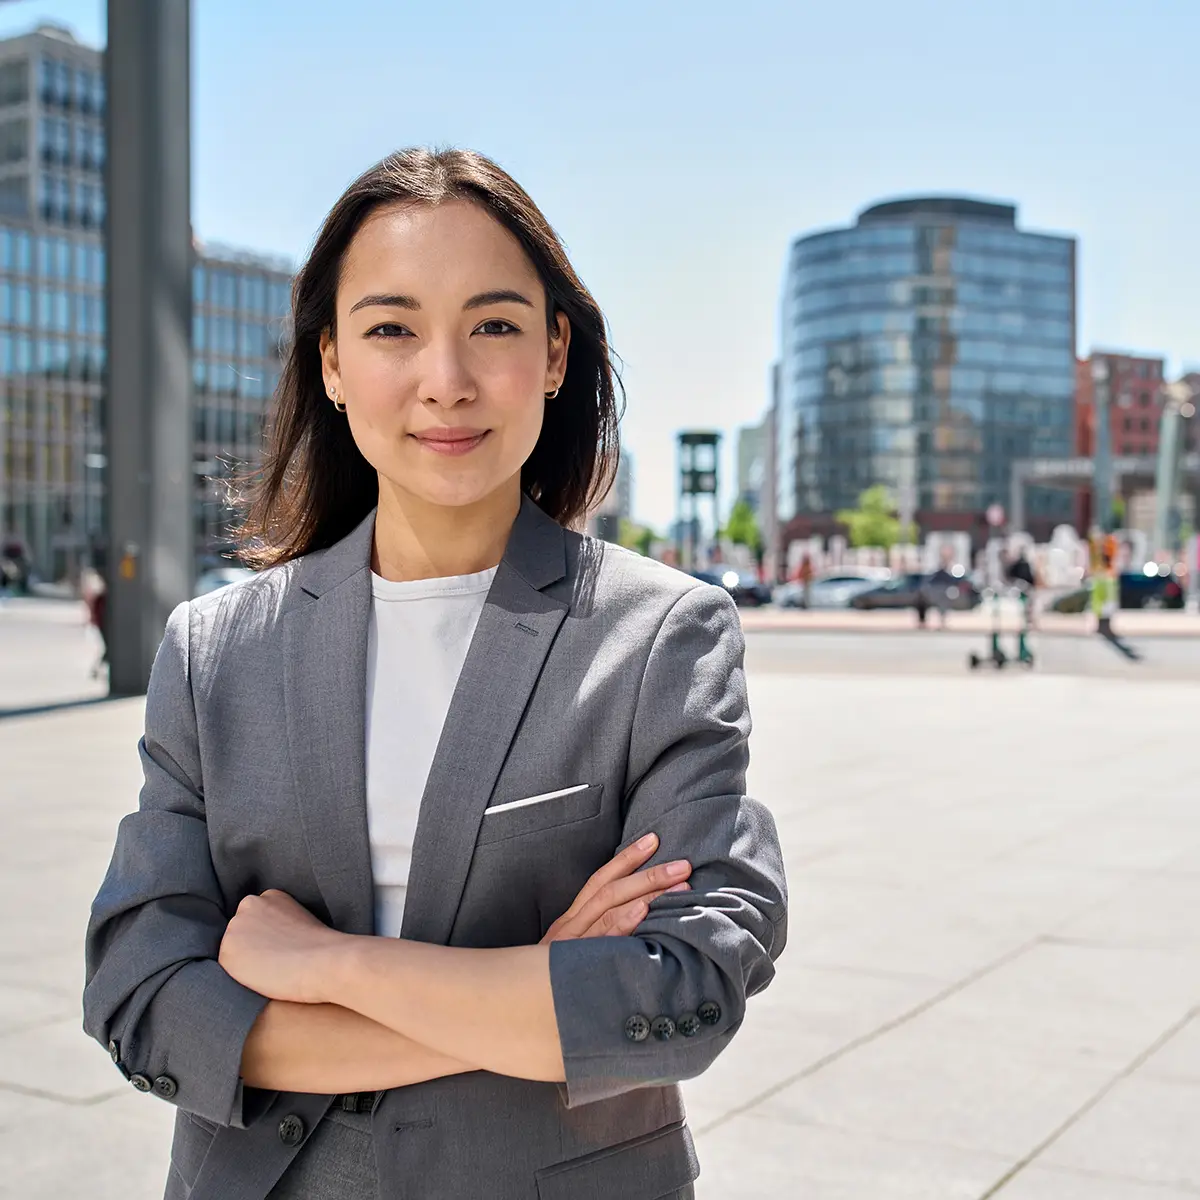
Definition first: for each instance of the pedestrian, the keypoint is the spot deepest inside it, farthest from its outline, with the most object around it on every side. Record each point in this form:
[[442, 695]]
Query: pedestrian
[[940, 587], [1020, 574], [805, 576], [95, 596], [443, 874]]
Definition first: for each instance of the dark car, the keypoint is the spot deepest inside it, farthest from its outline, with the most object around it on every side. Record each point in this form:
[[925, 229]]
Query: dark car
[[905, 590], [1135, 589], [745, 589]]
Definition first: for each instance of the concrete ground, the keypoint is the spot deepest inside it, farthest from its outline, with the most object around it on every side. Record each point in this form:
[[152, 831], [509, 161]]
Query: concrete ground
[[992, 986]]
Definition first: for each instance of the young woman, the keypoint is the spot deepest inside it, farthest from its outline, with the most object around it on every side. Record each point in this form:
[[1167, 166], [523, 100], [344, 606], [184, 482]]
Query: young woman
[[400, 784]]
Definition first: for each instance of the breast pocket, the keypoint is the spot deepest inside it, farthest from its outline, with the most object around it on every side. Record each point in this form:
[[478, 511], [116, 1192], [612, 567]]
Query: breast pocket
[[533, 814]]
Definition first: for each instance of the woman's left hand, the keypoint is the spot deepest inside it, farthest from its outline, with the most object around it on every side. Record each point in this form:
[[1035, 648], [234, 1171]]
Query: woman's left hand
[[276, 947]]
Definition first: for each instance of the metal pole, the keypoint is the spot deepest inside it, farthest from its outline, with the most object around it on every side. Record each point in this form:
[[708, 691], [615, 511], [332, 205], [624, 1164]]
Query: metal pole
[[1102, 478], [149, 261]]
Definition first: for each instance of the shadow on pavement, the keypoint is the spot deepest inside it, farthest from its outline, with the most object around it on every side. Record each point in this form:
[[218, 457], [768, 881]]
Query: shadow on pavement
[[37, 710]]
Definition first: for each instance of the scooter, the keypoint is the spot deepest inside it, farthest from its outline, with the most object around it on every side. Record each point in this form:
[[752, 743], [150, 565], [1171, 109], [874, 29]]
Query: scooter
[[995, 654]]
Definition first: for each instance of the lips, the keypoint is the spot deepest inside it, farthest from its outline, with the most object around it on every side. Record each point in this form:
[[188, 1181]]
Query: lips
[[451, 442]]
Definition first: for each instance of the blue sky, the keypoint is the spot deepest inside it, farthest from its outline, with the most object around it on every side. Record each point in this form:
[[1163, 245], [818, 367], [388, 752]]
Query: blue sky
[[679, 147]]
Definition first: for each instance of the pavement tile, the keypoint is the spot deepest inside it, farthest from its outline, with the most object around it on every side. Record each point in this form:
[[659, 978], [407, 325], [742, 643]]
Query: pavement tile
[[1146, 1128], [757, 1158], [60, 1060], [1049, 1183], [920, 1084]]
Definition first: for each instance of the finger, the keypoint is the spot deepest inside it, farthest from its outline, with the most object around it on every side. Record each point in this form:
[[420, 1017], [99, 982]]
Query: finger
[[619, 922], [620, 865], [622, 891]]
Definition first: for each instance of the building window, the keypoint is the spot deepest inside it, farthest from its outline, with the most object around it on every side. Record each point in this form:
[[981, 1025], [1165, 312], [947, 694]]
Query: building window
[[22, 305], [14, 141], [198, 274], [23, 253], [14, 196], [14, 82]]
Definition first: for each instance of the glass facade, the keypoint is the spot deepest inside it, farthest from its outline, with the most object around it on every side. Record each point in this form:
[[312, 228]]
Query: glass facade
[[53, 321], [926, 348], [239, 311]]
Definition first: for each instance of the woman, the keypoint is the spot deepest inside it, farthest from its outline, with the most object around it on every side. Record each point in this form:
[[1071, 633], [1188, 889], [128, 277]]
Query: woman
[[398, 784]]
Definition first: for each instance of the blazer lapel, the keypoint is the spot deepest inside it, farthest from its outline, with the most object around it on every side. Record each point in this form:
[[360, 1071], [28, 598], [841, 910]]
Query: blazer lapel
[[325, 671], [514, 635]]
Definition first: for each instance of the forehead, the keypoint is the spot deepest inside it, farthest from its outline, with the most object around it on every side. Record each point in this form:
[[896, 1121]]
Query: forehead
[[447, 247]]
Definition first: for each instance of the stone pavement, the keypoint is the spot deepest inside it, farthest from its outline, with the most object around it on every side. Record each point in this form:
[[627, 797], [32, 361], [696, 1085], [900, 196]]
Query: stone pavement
[[992, 985]]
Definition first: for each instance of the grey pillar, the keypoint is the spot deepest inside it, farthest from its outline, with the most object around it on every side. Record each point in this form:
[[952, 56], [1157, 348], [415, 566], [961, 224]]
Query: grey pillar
[[1102, 479], [149, 259]]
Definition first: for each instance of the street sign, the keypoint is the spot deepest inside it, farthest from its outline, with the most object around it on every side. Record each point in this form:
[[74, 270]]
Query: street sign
[[995, 515]]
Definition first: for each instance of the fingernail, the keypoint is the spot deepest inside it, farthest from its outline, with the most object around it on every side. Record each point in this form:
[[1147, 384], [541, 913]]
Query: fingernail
[[679, 867], [680, 887], [645, 843]]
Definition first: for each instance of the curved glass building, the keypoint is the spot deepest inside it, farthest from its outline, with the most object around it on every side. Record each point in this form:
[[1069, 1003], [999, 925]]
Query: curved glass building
[[925, 348]]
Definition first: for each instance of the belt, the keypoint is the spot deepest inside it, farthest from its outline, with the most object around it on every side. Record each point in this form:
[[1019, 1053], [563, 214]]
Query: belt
[[356, 1102]]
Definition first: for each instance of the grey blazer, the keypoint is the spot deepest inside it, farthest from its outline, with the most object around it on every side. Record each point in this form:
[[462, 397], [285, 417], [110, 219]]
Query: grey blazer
[[590, 665]]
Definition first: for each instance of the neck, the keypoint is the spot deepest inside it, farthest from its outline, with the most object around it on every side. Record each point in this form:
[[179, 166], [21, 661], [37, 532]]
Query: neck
[[418, 540]]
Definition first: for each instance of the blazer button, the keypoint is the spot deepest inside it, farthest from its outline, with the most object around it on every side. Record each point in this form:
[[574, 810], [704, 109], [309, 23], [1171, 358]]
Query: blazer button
[[140, 1082], [709, 1012], [688, 1025], [165, 1087], [637, 1028], [663, 1028], [291, 1130], [114, 1052]]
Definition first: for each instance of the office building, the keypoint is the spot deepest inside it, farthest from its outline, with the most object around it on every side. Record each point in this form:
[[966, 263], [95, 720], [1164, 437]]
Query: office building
[[926, 348], [52, 319], [752, 463]]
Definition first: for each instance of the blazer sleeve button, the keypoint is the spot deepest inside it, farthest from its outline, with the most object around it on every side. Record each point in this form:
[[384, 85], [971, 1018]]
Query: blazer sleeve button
[[291, 1130], [637, 1028], [709, 1012], [141, 1082], [114, 1052], [165, 1087], [663, 1028], [688, 1025]]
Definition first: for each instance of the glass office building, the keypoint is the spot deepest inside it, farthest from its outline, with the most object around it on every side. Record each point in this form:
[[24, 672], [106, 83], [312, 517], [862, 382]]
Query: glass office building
[[52, 320], [925, 348]]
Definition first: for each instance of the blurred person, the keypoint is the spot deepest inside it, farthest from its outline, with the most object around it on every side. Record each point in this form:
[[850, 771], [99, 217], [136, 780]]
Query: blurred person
[[94, 592], [1019, 572], [937, 587], [804, 576], [402, 784]]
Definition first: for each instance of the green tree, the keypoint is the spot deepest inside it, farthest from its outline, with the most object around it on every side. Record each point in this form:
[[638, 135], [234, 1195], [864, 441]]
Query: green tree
[[637, 537], [742, 527], [874, 522]]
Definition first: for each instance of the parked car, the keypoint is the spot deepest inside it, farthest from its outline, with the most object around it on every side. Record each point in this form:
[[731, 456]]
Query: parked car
[[903, 591], [1135, 589], [746, 589], [214, 580], [835, 590]]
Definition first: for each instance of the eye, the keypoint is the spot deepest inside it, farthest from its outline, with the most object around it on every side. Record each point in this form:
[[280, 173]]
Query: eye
[[496, 327], [388, 329]]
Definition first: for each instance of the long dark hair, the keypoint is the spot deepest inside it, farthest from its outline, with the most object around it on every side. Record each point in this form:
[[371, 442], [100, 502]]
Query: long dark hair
[[315, 486]]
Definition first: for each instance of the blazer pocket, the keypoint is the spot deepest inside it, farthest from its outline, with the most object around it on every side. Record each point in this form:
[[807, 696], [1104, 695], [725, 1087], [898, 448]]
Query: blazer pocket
[[533, 814], [644, 1168]]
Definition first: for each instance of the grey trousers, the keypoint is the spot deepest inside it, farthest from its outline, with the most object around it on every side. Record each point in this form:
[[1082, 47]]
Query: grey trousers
[[338, 1163]]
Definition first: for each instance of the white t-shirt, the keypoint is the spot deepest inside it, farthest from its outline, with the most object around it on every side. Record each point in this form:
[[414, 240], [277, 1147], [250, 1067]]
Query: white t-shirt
[[418, 639]]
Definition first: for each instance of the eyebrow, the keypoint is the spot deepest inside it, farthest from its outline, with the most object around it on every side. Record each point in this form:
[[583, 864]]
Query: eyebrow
[[482, 300]]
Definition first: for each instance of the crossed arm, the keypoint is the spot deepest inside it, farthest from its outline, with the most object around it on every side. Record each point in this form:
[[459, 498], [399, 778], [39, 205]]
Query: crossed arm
[[348, 1013]]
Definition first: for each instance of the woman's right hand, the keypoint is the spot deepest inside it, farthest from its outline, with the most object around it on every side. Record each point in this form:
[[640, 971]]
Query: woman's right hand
[[616, 899]]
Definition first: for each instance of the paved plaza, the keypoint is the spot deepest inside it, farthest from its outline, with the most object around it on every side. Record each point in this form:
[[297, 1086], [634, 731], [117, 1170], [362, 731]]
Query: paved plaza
[[992, 985]]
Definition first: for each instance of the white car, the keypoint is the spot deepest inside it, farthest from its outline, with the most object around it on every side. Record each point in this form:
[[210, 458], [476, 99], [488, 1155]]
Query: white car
[[835, 590], [214, 580]]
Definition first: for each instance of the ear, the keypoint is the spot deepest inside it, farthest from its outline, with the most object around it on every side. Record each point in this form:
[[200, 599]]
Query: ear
[[329, 363], [556, 356]]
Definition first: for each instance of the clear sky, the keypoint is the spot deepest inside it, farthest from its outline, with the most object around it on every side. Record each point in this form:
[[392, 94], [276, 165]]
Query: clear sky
[[678, 148]]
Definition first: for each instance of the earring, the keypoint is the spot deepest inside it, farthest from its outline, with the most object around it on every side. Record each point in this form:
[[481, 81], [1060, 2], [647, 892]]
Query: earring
[[341, 407], [551, 395]]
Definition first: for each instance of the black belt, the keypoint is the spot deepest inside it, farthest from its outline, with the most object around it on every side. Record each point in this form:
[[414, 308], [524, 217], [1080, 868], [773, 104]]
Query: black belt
[[356, 1102]]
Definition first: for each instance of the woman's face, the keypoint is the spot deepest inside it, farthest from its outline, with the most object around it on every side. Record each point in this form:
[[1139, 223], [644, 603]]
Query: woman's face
[[442, 353]]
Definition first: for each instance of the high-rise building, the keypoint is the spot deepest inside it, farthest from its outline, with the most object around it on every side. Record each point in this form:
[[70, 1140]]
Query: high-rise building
[[926, 348], [752, 463], [52, 318]]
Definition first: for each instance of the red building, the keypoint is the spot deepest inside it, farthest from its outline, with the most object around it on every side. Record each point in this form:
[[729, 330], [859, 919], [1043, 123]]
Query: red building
[[1134, 413]]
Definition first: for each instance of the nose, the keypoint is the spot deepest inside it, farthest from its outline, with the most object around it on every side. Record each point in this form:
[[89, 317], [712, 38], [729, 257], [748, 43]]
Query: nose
[[446, 379]]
